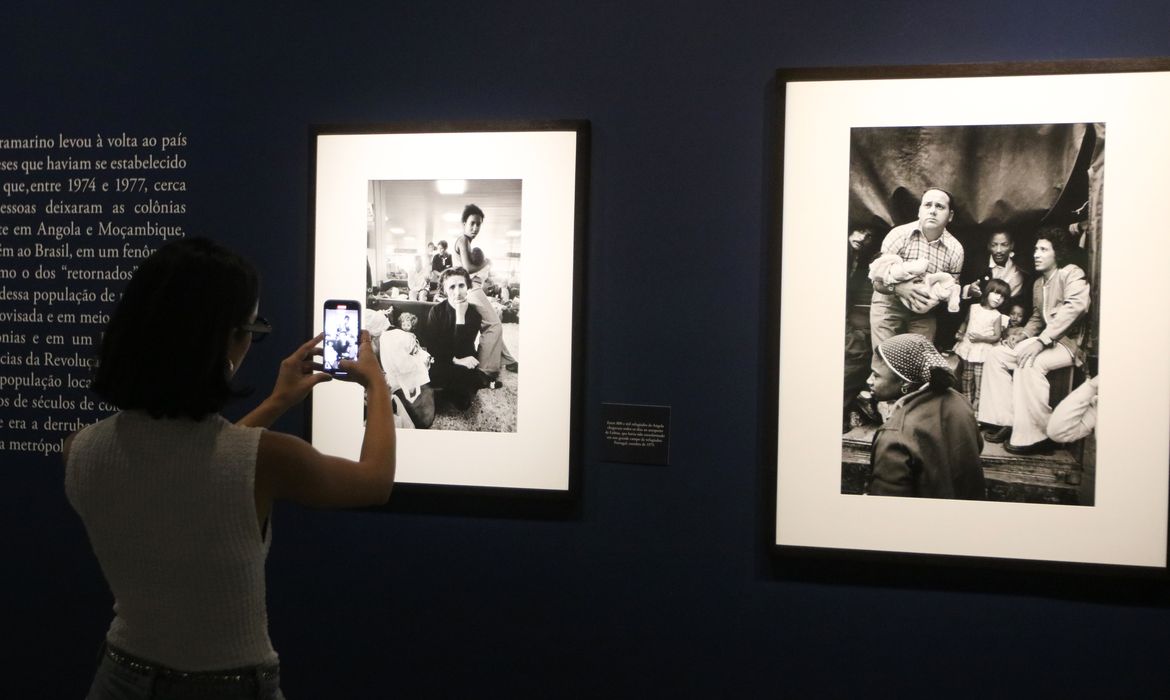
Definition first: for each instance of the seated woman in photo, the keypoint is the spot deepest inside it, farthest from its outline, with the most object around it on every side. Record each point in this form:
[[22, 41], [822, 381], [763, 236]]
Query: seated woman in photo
[[930, 445], [449, 335]]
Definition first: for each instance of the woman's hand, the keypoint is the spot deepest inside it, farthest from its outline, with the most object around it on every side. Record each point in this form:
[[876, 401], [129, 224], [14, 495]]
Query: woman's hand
[[469, 362], [299, 373], [295, 378], [365, 370]]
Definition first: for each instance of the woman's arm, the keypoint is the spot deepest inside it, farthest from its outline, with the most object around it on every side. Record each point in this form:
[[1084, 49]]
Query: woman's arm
[[294, 380], [289, 468]]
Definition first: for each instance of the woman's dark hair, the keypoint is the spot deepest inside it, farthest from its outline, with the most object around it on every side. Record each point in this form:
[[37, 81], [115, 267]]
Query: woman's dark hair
[[471, 210], [1062, 247], [165, 348], [997, 285], [454, 272]]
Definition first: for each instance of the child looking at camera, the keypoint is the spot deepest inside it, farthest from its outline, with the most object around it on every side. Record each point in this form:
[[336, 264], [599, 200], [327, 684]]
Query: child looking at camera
[[983, 329], [1017, 314]]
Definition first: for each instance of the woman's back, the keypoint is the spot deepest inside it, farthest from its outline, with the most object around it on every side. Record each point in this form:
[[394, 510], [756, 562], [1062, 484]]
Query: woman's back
[[169, 505], [929, 447]]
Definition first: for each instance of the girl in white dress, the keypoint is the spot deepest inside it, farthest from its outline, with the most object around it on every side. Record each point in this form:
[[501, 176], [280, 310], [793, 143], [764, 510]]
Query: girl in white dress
[[979, 333]]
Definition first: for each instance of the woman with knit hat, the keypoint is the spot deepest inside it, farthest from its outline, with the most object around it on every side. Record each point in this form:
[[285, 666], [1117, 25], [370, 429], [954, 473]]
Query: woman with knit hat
[[930, 445]]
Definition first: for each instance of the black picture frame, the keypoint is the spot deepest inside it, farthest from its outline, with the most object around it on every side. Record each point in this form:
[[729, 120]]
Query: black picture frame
[[808, 517], [530, 467]]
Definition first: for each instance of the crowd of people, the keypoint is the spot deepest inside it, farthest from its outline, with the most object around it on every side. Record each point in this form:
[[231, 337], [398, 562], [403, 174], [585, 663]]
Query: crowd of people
[[933, 413], [458, 346], [341, 338]]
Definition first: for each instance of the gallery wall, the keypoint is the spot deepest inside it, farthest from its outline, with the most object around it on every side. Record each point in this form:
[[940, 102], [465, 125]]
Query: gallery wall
[[662, 584]]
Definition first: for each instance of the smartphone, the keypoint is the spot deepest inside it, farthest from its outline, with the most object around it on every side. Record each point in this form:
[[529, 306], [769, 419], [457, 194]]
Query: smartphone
[[343, 328]]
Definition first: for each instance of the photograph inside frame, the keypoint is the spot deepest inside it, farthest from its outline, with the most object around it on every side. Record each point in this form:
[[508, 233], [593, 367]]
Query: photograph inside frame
[[972, 312], [443, 283]]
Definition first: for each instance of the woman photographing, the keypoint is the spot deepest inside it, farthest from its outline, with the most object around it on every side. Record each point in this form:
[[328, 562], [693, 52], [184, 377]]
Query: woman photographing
[[176, 500], [930, 444]]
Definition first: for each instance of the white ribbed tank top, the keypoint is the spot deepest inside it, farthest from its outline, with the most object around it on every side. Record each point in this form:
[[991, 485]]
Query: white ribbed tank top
[[169, 506]]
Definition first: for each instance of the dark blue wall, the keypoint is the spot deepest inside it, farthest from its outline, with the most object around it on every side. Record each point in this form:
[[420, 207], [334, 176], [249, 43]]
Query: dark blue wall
[[662, 587]]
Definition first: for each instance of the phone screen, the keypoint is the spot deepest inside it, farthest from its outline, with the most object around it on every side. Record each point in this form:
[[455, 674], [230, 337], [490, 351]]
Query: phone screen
[[343, 327]]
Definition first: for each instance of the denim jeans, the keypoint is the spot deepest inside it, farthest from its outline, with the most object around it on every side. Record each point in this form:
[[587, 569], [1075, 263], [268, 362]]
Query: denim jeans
[[115, 681]]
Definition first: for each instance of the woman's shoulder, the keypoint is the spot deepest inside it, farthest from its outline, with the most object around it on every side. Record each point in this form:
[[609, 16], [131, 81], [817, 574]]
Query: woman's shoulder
[[922, 411], [954, 401], [243, 439], [928, 397], [77, 439]]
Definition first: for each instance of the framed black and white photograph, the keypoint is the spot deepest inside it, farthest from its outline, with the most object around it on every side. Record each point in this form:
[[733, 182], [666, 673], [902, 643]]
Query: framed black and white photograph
[[987, 233], [463, 243]]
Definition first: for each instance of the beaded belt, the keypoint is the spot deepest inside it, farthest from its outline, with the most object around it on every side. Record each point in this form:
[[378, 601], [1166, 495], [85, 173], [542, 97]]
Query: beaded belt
[[233, 675]]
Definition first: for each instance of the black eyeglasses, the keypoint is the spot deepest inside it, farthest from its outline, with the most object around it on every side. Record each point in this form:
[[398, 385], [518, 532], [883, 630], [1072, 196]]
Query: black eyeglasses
[[258, 328]]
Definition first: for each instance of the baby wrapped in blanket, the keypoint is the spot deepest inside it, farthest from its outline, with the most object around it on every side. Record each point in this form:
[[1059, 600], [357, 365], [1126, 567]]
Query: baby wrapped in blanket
[[890, 269]]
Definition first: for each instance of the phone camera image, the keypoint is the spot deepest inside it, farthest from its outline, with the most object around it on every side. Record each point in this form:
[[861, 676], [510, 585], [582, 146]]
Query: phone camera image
[[342, 329]]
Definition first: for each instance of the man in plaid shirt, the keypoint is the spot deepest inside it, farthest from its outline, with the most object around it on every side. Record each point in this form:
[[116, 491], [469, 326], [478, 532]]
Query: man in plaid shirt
[[927, 238]]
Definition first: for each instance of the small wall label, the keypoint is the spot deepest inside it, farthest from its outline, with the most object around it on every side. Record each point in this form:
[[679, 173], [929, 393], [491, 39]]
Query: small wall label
[[635, 433]]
